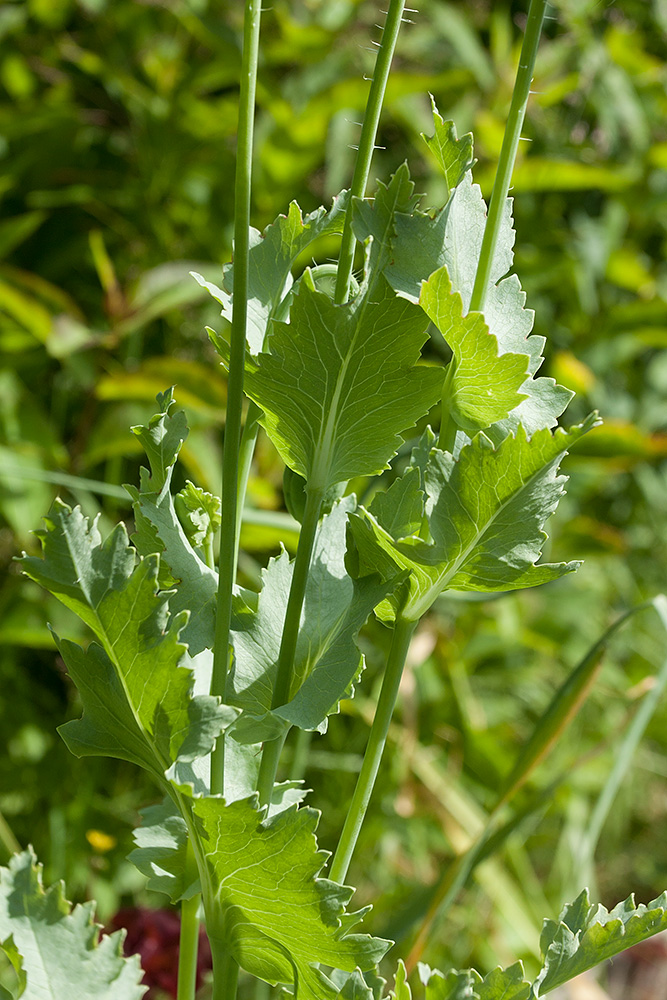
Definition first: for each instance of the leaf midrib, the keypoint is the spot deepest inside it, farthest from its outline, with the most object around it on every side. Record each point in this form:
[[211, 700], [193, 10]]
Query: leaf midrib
[[424, 603]]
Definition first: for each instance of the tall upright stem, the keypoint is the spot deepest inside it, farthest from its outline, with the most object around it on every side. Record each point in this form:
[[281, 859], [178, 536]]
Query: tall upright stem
[[367, 142], [230, 465], [188, 947], [285, 668], [403, 631], [508, 151]]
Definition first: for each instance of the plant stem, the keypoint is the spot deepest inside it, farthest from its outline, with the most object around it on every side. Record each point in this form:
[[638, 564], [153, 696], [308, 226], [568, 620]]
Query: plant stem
[[403, 631], [225, 974], [448, 428], [230, 467], [285, 667], [301, 748], [367, 142], [246, 450], [188, 947], [508, 152], [7, 839]]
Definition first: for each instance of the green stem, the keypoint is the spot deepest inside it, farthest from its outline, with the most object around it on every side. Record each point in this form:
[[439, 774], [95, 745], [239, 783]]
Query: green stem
[[230, 465], [7, 839], [367, 142], [246, 450], [508, 152], [225, 973], [188, 946], [301, 748], [448, 428], [403, 630], [285, 667]]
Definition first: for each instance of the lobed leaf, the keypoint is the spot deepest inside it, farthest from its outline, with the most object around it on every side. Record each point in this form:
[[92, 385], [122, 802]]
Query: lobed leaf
[[137, 698], [161, 841], [586, 934], [452, 238], [484, 386], [341, 384], [199, 513], [375, 221], [277, 917], [60, 947], [454, 156], [327, 659], [158, 528], [483, 519], [273, 253]]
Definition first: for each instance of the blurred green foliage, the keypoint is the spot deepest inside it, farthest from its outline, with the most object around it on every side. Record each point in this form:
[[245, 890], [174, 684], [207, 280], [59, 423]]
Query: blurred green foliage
[[117, 147]]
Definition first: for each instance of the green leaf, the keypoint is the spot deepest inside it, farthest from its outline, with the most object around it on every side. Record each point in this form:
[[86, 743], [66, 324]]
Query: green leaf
[[484, 387], [401, 989], [273, 253], [354, 988], [376, 220], [63, 955], [327, 659], [199, 512], [500, 984], [15, 961], [277, 917], [452, 238], [454, 156], [341, 384], [158, 528], [453, 986], [137, 698], [586, 934], [484, 512], [161, 853]]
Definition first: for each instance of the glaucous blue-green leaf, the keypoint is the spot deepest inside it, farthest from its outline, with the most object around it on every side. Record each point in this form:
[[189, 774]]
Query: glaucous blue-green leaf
[[158, 528], [341, 383], [62, 953], [277, 917], [327, 659], [484, 385], [273, 253], [137, 698], [452, 238], [586, 934], [454, 156], [375, 220], [484, 514]]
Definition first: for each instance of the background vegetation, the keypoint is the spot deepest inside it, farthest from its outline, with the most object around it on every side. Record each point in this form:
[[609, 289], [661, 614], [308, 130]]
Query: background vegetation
[[117, 125]]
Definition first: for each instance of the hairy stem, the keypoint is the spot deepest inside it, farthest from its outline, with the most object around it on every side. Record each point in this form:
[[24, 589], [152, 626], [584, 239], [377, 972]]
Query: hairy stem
[[285, 668], [189, 943], [508, 152], [230, 468], [367, 142], [403, 631]]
